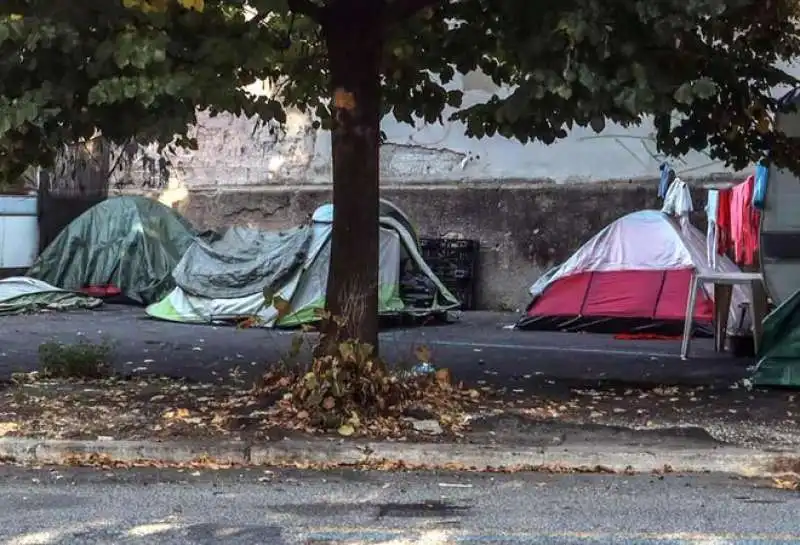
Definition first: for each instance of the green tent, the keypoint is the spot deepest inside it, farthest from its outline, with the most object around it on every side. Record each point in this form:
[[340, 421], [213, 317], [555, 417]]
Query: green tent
[[225, 280], [779, 350], [124, 245]]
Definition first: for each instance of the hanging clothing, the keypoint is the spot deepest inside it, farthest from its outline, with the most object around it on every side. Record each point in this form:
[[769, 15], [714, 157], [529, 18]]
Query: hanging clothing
[[760, 187], [723, 223], [663, 184], [678, 199], [744, 222], [712, 206], [678, 202]]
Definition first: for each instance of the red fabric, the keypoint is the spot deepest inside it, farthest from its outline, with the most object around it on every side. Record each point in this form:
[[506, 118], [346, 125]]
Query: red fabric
[[724, 240], [623, 293], [563, 298], [658, 295], [101, 291], [674, 293], [744, 222], [645, 337]]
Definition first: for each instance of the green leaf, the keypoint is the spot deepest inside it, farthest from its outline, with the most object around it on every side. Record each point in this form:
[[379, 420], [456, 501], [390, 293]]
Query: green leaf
[[598, 124], [346, 430], [684, 94], [564, 91], [704, 88]]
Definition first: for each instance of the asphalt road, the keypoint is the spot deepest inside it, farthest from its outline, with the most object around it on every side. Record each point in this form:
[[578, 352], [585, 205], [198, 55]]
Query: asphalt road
[[478, 347], [282, 508]]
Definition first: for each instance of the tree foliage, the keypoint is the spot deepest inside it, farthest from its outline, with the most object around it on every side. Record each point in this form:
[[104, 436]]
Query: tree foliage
[[142, 68], [705, 70]]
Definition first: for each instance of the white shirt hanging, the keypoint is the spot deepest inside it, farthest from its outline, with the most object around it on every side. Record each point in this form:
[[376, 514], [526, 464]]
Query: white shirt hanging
[[711, 230], [678, 202]]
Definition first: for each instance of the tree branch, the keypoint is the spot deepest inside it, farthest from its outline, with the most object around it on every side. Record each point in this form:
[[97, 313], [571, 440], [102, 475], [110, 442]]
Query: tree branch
[[307, 8], [400, 10]]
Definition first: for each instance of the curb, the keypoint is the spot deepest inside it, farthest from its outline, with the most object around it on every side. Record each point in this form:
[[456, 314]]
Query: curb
[[330, 453]]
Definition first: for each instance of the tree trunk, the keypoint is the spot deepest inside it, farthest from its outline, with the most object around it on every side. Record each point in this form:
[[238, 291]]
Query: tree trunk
[[353, 34]]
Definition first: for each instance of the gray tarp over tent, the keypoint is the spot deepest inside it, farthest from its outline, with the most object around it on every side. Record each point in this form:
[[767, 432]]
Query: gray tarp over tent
[[226, 279], [128, 243], [20, 294], [244, 261]]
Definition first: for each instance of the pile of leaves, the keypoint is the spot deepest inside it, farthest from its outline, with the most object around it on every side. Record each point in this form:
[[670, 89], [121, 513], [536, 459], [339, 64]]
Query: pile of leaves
[[351, 391]]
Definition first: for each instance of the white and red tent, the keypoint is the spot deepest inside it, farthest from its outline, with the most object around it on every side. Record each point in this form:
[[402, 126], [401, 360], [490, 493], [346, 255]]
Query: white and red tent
[[633, 276]]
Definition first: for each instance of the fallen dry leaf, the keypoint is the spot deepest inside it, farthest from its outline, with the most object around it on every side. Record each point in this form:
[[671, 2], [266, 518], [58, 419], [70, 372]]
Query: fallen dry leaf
[[8, 427], [443, 376], [786, 484], [176, 414]]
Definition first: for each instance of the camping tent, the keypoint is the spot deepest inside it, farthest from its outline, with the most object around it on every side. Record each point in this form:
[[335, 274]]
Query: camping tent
[[124, 246], [633, 276], [779, 349], [226, 280]]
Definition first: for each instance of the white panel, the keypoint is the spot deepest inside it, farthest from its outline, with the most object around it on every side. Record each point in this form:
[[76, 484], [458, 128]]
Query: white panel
[[19, 231]]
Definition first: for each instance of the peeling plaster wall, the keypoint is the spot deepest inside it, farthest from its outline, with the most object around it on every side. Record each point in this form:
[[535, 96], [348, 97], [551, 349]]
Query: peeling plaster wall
[[264, 177], [237, 153]]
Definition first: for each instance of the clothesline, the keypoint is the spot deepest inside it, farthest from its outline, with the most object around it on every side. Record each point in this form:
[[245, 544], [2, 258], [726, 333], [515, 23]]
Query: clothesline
[[733, 210]]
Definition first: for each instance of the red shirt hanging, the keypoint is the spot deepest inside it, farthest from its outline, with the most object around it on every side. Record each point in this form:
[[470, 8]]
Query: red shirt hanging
[[744, 222], [724, 238]]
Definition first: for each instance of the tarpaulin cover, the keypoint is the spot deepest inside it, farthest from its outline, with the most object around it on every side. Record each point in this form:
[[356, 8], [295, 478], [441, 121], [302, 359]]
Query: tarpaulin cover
[[243, 262], [779, 349], [19, 295], [131, 243]]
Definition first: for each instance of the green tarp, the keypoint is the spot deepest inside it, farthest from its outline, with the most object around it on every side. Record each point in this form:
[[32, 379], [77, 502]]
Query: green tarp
[[131, 243], [779, 350], [22, 295]]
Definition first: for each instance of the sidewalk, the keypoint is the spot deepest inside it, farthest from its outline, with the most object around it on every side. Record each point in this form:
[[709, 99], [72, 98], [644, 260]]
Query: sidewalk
[[158, 421]]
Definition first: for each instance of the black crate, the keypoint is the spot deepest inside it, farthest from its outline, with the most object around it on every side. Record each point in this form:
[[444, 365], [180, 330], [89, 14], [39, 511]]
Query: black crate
[[455, 263]]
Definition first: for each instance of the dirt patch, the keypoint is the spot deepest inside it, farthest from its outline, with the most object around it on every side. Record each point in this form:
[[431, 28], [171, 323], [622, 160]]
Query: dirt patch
[[734, 415], [146, 408], [158, 408], [162, 409]]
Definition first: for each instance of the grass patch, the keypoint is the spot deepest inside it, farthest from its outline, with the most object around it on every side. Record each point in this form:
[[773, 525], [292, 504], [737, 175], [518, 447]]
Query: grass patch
[[84, 360]]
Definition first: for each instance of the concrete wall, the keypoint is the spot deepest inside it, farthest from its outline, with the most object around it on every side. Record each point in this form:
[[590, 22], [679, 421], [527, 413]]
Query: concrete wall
[[523, 228], [529, 205]]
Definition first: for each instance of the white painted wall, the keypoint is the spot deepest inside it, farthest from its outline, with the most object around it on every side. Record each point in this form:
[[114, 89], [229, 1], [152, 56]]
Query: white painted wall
[[235, 153]]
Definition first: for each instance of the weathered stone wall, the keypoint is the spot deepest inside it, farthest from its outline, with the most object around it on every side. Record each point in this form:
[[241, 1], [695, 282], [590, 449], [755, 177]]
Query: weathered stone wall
[[523, 228], [530, 205], [235, 152]]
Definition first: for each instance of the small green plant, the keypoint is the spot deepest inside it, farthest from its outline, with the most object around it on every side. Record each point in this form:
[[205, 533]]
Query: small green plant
[[81, 360]]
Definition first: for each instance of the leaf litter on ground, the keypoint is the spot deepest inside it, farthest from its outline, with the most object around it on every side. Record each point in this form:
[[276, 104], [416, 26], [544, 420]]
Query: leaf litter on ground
[[163, 408]]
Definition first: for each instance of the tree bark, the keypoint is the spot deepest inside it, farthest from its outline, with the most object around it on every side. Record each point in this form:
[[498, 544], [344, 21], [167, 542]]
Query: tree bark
[[353, 32]]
